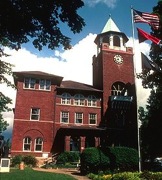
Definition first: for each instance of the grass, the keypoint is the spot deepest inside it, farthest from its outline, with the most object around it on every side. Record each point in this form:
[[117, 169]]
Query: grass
[[30, 174]]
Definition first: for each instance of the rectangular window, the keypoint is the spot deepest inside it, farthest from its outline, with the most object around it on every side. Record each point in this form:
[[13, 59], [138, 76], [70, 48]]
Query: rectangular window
[[64, 117], [35, 114], [29, 83], [44, 84], [92, 118], [79, 118]]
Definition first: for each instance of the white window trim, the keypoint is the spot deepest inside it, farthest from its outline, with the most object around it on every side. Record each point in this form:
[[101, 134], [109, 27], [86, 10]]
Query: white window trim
[[29, 83], [95, 118], [79, 98], [34, 114], [25, 143], [38, 144], [61, 117], [45, 85], [91, 100], [67, 98], [76, 118]]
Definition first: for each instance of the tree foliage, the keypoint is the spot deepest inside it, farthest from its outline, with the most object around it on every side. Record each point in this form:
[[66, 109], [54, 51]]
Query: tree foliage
[[5, 69], [151, 118], [39, 21], [154, 128]]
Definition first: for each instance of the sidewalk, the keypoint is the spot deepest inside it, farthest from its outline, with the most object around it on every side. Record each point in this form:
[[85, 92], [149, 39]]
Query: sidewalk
[[72, 172]]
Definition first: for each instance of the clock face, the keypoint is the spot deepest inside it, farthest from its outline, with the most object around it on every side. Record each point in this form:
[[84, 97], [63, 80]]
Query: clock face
[[118, 59]]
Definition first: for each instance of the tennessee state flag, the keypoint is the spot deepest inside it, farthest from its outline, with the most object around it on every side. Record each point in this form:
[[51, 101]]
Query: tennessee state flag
[[142, 36]]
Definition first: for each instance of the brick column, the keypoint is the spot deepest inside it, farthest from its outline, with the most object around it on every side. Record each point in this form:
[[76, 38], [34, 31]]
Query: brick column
[[97, 141], [67, 143], [82, 143]]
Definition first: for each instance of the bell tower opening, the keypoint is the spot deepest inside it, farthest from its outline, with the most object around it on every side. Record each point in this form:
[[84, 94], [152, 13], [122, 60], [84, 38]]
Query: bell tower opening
[[116, 41]]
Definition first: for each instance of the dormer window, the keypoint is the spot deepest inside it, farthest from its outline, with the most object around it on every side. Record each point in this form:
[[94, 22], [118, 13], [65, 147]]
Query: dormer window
[[29, 83], [44, 84]]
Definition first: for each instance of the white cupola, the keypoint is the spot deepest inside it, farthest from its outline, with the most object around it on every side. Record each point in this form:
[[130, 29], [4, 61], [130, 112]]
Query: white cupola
[[112, 37]]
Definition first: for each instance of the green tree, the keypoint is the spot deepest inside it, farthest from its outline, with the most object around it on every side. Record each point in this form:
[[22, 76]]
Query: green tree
[[38, 21], [152, 123], [154, 127]]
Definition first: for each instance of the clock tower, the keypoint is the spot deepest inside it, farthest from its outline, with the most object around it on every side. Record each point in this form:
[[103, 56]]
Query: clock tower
[[113, 73]]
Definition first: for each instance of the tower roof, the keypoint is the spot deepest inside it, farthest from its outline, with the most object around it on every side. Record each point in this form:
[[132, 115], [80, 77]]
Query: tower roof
[[110, 26]]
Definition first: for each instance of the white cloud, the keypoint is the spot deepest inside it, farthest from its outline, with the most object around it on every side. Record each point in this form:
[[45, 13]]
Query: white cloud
[[109, 3], [76, 65], [142, 94]]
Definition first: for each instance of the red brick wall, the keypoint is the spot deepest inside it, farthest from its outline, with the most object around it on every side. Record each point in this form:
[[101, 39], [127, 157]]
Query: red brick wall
[[73, 109], [33, 130], [113, 72], [28, 98], [23, 126]]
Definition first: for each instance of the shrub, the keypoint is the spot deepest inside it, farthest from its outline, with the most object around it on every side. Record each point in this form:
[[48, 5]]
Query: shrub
[[146, 175], [68, 157], [126, 176], [16, 160], [116, 159], [93, 160], [28, 160], [157, 176], [123, 158]]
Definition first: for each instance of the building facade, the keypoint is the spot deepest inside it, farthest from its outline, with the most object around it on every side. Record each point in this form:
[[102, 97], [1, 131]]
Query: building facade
[[52, 115]]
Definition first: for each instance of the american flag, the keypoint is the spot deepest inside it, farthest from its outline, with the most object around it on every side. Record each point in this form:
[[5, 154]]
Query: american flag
[[143, 17]]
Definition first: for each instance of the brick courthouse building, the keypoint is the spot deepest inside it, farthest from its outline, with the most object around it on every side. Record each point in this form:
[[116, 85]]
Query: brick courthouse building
[[52, 115]]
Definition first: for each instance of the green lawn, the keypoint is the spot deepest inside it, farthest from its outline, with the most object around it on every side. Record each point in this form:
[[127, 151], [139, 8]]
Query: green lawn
[[29, 174]]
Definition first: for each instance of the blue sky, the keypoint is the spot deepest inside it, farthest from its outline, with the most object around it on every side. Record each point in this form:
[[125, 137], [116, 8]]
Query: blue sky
[[96, 14], [76, 64]]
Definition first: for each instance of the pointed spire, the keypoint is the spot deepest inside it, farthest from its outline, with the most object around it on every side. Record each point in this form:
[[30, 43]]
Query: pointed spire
[[110, 26]]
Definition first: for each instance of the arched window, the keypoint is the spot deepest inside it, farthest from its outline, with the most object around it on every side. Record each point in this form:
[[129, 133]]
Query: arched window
[[66, 98], [92, 101], [79, 100], [119, 89], [27, 144], [106, 39], [116, 41], [38, 144]]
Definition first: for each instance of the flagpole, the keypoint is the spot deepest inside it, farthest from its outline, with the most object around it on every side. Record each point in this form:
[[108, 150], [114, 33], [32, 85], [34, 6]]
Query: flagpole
[[134, 61]]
